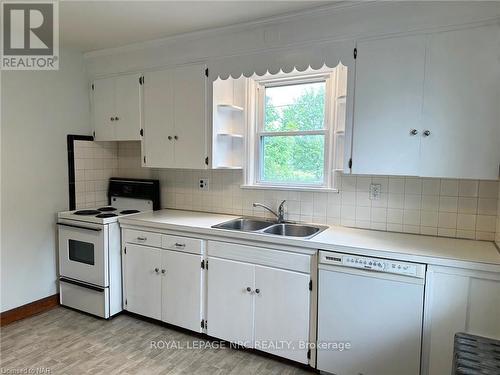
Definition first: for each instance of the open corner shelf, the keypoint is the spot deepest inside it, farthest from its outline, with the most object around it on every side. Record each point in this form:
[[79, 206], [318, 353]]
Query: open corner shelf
[[230, 107]]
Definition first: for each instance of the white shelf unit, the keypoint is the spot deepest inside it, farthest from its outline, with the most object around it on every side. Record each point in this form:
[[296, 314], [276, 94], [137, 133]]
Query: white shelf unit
[[229, 123], [339, 116]]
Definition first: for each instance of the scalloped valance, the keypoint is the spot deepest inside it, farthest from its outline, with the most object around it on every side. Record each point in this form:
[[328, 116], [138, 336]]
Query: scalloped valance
[[273, 61]]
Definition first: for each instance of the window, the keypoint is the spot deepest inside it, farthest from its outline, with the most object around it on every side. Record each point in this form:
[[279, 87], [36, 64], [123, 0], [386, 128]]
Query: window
[[292, 132]]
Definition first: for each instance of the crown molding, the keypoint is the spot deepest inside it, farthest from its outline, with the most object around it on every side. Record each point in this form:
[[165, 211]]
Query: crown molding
[[211, 32]]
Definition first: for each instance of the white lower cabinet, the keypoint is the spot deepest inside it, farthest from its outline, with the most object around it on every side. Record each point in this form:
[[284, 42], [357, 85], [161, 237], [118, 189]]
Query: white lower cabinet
[[141, 278], [258, 306], [164, 284], [457, 300], [230, 304], [181, 289]]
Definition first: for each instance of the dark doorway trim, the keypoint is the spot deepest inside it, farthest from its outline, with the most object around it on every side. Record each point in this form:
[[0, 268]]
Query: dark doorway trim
[[71, 138]]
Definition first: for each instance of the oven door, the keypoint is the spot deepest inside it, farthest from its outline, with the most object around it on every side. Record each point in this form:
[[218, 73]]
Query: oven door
[[83, 250]]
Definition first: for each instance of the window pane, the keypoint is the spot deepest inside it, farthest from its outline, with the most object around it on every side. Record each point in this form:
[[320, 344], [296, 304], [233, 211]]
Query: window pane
[[293, 159], [295, 107]]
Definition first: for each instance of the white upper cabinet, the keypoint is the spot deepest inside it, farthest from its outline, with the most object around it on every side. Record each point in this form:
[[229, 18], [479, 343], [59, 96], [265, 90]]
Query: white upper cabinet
[[388, 106], [462, 105], [428, 105], [175, 126], [117, 108]]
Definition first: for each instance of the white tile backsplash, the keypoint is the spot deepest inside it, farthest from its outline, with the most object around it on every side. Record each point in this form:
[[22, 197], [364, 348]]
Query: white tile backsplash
[[430, 206]]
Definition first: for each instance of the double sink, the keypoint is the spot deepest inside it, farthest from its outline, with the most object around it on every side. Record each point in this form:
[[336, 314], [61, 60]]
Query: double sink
[[262, 226]]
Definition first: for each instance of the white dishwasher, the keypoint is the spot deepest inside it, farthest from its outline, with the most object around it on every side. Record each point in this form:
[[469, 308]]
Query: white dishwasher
[[370, 313]]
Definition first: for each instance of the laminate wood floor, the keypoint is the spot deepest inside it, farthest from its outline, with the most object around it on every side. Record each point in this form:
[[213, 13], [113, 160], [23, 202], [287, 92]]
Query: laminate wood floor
[[64, 341]]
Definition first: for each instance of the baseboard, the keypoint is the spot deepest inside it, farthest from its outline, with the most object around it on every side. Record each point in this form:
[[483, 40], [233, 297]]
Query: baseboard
[[30, 309]]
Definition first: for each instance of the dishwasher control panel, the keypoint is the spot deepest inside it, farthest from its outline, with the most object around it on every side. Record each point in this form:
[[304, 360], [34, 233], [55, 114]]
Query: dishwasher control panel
[[373, 264]]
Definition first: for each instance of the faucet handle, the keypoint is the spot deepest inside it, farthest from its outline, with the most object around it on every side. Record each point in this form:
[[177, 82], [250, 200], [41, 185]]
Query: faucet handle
[[281, 206]]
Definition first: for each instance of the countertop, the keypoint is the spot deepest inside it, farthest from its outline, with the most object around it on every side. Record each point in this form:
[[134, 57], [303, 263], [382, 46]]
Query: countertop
[[470, 254]]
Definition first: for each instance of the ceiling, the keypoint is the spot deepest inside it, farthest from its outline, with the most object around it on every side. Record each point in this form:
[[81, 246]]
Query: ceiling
[[93, 25]]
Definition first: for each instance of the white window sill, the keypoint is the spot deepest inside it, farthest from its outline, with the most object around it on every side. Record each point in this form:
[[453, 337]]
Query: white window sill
[[293, 188]]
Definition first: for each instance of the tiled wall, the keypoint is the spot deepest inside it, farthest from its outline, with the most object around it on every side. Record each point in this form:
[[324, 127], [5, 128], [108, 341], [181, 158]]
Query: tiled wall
[[96, 162], [443, 207]]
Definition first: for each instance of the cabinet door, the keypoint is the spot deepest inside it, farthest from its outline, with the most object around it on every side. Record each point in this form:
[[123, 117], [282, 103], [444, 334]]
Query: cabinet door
[[128, 108], [230, 305], [388, 106], [158, 149], [461, 105], [458, 301], [190, 116], [181, 289], [103, 109], [282, 311], [142, 282]]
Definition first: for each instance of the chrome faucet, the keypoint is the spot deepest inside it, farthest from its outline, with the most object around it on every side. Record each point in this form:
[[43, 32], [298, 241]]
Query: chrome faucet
[[280, 216]]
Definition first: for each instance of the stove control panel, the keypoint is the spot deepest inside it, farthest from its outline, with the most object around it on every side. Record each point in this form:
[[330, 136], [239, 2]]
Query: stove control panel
[[372, 264]]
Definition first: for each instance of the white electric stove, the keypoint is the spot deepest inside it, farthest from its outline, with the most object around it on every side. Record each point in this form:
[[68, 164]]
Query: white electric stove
[[90, 247]]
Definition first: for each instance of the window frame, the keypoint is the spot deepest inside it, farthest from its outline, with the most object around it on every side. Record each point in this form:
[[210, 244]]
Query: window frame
[[259, 133]]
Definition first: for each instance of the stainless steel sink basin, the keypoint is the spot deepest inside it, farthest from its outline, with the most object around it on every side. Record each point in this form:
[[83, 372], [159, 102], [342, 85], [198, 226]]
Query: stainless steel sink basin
[[245, 224], [262, 226], [294, 230]]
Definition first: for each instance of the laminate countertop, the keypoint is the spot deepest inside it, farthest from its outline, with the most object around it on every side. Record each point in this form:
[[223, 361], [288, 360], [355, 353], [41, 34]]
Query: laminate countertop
[[450, 252]]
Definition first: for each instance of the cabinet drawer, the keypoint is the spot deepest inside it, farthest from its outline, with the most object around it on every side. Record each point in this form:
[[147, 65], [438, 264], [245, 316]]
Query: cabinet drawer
[[188, 245], [142, 237]]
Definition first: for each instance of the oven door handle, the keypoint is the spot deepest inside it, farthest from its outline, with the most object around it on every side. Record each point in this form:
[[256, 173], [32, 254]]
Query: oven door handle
[[83, 285], [79, 227]]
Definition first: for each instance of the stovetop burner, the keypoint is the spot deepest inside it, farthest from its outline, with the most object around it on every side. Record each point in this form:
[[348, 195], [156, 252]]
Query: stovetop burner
[[104, 216], [107, 209], [86, 212], [126, 212]]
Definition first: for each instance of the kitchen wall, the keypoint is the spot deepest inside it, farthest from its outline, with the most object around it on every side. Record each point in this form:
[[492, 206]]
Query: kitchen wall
[[96, 162], [443, 207], [39, 109]]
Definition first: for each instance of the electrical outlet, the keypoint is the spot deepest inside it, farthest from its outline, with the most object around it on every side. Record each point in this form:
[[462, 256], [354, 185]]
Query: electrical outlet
[[375, 191], [203, 184]]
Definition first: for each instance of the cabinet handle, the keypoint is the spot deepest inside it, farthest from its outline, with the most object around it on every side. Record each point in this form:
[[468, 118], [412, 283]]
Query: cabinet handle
[[142, 238], [112, 119], [427, 133], [177, 244], [413, 132], [157, 270], [257, 291], [249, 289], [169, 137], [175, 137]]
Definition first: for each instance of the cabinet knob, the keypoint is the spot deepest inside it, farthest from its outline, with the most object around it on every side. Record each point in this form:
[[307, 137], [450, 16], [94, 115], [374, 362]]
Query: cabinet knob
[[169, 137], [249, 289], [112, 119], [257, 291], [163, 271], [157, 270], [413, 132], [175, 137], [427, 133], [117, 118]]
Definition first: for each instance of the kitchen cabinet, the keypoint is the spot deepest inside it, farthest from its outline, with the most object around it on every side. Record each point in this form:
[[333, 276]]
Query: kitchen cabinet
[[427, 105], [161, 283], [269, 305], [461, 105], [116, 104], [230, 284], [141, 276], [457, 300], [175, 126], [388, 106]]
